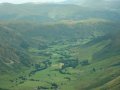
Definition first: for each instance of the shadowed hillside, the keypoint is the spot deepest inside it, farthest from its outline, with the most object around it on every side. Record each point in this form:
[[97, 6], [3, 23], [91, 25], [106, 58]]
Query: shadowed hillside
[[12, 51]]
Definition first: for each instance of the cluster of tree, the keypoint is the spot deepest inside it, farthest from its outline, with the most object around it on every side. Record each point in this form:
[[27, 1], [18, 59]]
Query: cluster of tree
[[38, 67], [24, 44], [22, 77], [84, 62], [54, 86], [19, 80], [68, 63], [42, 88], [68, 78], [42, 46], [34, 80]]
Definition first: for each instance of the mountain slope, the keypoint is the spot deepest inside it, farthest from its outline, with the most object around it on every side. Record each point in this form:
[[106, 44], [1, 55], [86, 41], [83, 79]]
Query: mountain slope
[[12, 51]]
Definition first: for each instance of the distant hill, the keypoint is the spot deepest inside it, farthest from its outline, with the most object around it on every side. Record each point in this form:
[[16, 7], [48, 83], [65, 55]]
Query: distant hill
[[52, 12], [60, 30]]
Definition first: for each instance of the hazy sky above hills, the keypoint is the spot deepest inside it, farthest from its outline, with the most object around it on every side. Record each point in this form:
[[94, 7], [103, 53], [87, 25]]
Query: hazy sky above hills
[[89, 3], [54, 1], [24, 1]]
